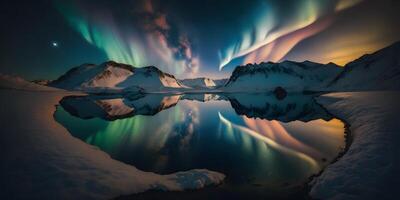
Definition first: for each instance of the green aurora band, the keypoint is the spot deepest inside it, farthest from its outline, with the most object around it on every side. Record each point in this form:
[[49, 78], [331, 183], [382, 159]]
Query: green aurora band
[[104, 35]]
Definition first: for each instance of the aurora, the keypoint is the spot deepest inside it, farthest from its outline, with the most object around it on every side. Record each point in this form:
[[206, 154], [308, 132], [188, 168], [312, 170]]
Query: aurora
[[195, 39]]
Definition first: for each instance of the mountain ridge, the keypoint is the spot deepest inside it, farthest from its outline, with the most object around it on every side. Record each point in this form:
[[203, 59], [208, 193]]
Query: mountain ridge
[[379, 70], [115, 75], [293, 76]]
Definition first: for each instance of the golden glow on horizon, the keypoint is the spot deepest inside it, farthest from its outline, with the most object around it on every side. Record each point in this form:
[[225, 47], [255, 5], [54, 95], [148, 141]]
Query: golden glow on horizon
[[342, 49]]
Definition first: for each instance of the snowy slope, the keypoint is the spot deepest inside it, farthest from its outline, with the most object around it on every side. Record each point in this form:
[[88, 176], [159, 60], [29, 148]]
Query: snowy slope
[[199, 83], [377, 71], [370, 168], [112, 75], [292, 76]]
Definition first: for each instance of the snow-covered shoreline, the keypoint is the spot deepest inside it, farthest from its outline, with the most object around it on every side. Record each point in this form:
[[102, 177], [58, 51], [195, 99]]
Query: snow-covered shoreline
[[41, 160], [370, 167]]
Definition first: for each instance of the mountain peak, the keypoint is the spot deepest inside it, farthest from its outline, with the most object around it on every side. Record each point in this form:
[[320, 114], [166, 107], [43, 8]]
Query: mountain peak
[[114, 75]]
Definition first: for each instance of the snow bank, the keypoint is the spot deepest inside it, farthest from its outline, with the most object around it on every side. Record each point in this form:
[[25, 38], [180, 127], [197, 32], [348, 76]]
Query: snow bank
[[370, 168], [41, 160]]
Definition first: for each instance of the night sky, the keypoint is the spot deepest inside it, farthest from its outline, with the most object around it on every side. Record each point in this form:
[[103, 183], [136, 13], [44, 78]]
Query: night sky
[[42, 39]]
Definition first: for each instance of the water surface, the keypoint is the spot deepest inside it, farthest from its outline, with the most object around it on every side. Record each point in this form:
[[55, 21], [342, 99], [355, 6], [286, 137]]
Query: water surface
[[256, 140]]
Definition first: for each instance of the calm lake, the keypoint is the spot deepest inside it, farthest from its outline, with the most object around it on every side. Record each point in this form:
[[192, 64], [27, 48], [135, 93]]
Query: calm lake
[[258, 141]]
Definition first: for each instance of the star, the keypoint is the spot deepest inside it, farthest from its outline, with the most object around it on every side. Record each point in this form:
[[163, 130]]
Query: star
[[54, 44]]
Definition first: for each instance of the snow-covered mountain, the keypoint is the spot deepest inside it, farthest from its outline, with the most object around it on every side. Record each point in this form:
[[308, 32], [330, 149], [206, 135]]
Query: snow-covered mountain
[[292, 76], [118, 76], [199, 83], [377, 71]]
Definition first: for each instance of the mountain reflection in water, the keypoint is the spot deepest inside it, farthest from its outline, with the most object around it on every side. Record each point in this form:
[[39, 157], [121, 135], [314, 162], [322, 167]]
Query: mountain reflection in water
[[252, 138]]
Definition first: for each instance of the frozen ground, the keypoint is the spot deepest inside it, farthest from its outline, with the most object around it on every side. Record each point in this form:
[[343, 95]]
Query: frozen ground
[[370, 169], [41, 160]]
